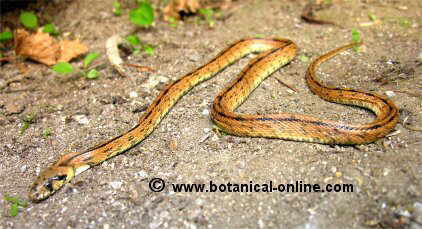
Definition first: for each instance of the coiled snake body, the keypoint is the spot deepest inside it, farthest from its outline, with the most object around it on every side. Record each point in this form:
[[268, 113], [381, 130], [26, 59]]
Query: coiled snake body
[[274, 53]]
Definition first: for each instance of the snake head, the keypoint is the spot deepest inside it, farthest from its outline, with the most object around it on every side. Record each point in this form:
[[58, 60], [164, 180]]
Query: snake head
[[49, 181]]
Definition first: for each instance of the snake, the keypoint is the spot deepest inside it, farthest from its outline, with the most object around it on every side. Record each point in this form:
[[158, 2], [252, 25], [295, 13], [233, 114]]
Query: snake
[[270, 55]]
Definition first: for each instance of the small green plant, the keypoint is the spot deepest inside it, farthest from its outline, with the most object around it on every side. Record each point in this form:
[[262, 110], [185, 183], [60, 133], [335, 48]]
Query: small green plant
[[138, 46], [372, 17], [89, 58], [6, 36], [28, 19], [208, 14], [148, 49], [90, 73], [356, 38], [143, 15], [133, 40], [117, 8], [15, 204], [173, 22], [405, 23], [303, 58], [46, 132], [50, 29], [26, 121], [63, 68]]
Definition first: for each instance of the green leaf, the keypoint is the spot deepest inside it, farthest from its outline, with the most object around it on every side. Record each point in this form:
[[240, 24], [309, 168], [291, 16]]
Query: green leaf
[[46, 132], [149, 49], [29, 20], [172, 21], [50, 28], [356, 39], [89, 58], [372, 17], [63, 68], [6, 36], [92, 74], [405, 23], [14, 210], [15, 200], [143, 15], [133, 40], [303, 58], [117, 9], [208, 14], [355, 36]]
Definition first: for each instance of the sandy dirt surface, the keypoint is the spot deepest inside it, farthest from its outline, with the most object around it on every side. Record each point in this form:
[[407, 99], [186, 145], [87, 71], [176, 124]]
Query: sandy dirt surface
[[386, 175]]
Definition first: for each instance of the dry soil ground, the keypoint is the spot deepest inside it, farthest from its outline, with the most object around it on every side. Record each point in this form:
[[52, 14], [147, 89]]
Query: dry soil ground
[[184, 149]]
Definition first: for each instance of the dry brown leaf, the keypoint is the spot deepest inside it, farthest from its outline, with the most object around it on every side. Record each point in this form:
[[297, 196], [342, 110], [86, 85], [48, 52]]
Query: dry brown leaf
[[39, 47], [43, 48], [71, 49], [174, 7]]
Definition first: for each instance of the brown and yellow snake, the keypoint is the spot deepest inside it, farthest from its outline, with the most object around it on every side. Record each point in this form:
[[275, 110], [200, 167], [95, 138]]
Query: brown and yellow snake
[[274, 53]]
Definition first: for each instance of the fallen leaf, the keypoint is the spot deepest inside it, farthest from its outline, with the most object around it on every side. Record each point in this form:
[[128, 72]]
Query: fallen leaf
[[174, 7], [39, 47], [43, 48], [71, 49]]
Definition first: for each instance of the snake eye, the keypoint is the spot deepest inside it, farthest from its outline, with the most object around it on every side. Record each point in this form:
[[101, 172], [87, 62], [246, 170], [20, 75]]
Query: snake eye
[[49, 186]]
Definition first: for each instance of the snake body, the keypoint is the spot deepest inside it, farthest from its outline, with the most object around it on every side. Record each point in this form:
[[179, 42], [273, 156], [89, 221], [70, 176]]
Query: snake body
[[274, 53]]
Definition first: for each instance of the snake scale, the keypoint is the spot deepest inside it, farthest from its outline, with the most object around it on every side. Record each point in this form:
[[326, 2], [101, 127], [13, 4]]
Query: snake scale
[[273, 54]]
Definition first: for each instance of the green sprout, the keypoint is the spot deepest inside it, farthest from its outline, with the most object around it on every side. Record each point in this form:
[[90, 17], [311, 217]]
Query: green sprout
[[356, 38], [92, 73], [172, 21], [15, 204], [50, 29], [46, 132], [372, 17], [117, 9], [89, 58], [29, 20], [143, 15], [405, 23], [208, 14], [303, 58], [133, 40], [63, 68], [26, 121], [138, 46], [6, 36]]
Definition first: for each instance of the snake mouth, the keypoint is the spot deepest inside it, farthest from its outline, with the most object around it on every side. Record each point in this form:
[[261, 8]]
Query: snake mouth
[[50, 181]]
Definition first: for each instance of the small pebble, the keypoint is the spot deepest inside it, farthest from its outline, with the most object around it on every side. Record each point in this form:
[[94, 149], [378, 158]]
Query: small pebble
[[23, 168], [205, 112], [142, 174], [154, 80], [81, 119], [133, 94], [116, 184], [390, 94]]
